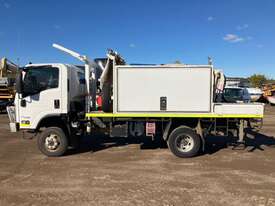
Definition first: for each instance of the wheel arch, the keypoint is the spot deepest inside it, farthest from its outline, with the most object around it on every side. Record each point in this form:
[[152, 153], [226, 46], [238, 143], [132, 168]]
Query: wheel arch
[[191, 123], [52, 121], [60, 121], [194, 124]]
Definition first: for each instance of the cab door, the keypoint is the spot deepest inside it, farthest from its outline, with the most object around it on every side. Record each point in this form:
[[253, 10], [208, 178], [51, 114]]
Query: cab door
[[41, 95]]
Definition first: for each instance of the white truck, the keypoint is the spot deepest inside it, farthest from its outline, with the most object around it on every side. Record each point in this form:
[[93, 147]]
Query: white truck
[[177, 102]]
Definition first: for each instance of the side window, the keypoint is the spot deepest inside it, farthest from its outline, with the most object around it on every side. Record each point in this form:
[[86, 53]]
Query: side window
[[46, 77], [81, 77], [38, 79]]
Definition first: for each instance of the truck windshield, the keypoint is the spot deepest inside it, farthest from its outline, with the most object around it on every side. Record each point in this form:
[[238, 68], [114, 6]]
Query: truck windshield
[[37, 79]]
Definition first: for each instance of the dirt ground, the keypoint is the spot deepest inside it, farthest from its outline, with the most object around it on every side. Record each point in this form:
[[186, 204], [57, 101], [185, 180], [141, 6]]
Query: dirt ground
[[105, 172]]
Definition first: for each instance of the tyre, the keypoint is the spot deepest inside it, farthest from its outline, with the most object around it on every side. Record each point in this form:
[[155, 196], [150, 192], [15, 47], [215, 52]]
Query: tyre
[[184, 142], [52, 142], [106, 98], [255, 124]]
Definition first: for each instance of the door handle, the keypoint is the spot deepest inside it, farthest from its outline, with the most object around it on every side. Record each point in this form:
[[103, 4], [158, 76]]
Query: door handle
[[56, 104], [23, 103]]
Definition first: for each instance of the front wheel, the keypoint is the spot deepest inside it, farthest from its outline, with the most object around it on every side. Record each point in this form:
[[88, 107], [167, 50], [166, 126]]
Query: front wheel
[[52, 142], [184, 142]]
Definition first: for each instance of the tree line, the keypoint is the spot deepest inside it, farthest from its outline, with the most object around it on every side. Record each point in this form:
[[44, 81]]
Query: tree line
[[257, 80]]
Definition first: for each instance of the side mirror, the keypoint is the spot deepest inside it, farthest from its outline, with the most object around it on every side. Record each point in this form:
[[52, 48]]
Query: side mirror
[[19, 83]]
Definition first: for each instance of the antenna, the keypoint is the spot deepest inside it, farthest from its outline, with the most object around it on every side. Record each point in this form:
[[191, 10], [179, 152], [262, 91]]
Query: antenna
[[18, 62], [210, 61]]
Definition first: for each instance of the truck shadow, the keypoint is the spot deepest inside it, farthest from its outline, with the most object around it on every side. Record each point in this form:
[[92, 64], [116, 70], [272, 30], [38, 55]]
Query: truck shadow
[[100, 142], [253, 141]]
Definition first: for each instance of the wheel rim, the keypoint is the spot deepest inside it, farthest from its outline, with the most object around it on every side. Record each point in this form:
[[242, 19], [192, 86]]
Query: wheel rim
[[184, 143], [52, 142]]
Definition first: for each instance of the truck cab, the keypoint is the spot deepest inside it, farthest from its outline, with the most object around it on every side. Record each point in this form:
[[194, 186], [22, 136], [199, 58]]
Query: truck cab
[[48, 91]]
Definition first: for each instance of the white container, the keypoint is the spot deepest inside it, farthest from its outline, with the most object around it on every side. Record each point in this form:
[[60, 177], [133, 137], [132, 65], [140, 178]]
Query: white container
[[183, 88]]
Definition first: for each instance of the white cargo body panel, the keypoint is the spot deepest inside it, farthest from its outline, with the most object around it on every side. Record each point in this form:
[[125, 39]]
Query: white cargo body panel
[[185, 88]]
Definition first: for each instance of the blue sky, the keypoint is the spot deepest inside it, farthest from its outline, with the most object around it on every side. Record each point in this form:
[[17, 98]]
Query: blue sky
[[237, 34]]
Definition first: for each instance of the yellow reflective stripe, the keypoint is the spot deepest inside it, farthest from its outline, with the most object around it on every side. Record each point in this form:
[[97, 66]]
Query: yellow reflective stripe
[[174, 115], [24, 125]]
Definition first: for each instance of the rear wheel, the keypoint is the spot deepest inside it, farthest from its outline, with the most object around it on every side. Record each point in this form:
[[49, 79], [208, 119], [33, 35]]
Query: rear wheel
[[53, 142], [255, 124], [184, 142]]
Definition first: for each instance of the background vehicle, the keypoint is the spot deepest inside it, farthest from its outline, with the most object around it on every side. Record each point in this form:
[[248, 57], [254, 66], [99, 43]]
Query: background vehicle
[[236, 94], [8, 71], [269, 93], [255, 93], [137, 100], [235, 82]]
